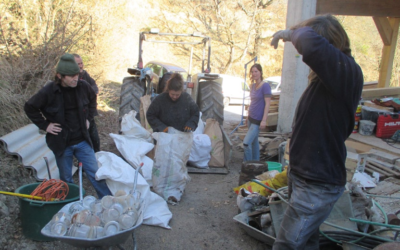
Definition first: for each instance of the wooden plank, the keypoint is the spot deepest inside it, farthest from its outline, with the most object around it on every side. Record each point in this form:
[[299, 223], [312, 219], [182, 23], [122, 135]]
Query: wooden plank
[[375, 142], [380, 171], [370, 171], [384, 28], [272, 119], [386, 8], [370, 85], [369, 94], [386, 64], [397, 174]]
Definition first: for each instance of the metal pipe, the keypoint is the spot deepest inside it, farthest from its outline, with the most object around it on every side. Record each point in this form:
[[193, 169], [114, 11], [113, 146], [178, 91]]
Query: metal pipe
[[160, 41], [244, 92], [190, 61]]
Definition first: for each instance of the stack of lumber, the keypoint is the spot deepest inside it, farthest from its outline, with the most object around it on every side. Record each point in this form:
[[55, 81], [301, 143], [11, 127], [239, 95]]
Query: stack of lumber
[[272, 119], [384, 172], [269, 142]]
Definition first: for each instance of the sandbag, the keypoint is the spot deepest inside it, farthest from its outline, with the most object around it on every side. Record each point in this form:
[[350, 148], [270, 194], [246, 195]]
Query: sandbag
[[131, 126], [200, 152], [213, 130], [119, 175], [200, 126], [134, 151], [170, 174]]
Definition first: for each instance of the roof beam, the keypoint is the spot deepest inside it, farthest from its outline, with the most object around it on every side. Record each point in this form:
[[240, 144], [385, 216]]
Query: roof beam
[[384, 28], [386, 65], [383, 8]]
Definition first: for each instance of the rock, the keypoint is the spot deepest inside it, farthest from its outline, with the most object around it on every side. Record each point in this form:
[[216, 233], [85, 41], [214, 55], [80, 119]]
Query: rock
[[4, 209]]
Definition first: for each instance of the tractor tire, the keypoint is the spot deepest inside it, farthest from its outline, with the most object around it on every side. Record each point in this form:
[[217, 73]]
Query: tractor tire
[[211, 101], [131, 91]]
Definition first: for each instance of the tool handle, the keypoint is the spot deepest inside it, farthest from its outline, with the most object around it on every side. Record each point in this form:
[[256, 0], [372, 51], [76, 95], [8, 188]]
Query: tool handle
[[136, 176], [24, 195], [47, 165], [80, 182]]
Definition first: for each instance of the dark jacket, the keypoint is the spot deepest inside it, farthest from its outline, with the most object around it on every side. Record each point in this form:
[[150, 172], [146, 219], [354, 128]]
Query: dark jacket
[[163, 112], [47, 106], [85, 76], [326, 110]]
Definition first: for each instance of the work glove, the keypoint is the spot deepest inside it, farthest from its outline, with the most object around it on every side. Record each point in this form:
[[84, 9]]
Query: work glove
[[188, 129], [285, 35]]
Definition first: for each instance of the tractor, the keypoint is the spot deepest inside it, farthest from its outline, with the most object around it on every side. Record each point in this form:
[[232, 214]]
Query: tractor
[[205, 88]]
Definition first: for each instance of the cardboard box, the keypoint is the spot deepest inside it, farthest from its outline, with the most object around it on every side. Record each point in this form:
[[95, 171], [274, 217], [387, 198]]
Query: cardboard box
[[357, 156]]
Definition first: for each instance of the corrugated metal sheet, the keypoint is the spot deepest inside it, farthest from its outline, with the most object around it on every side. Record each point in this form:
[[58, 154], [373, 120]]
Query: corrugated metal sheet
[[30, 147]]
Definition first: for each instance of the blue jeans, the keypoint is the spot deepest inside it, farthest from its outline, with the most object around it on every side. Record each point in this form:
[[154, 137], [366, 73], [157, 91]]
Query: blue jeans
[[85, 154], [310, 203], [250, 143]]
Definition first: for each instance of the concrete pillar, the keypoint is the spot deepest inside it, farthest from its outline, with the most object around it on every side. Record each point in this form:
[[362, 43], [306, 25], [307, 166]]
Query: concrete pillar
[[294, 71]]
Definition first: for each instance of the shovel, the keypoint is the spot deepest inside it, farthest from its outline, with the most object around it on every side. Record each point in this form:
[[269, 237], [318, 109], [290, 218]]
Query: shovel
[[135, 181]]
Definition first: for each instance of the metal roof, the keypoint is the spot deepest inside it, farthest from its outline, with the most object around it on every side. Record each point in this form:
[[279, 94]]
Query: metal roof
[[30, 147]]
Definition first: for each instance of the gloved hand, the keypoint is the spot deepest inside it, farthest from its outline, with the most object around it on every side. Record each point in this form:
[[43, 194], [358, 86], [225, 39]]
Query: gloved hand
[[165, 130], [285, 35], [188, 129]]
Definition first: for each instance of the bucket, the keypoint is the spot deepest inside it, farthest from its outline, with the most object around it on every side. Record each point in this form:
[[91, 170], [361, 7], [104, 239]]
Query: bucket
[[250, 169], [366, 127], [274, 166], [36, 214]]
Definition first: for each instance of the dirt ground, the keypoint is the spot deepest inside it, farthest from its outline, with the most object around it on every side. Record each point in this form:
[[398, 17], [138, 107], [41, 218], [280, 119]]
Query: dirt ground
[[203, 219]]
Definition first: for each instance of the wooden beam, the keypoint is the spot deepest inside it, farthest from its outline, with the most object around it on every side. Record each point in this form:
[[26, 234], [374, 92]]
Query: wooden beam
[[368, 94], [384, 29], [388, 51], [384, 8]]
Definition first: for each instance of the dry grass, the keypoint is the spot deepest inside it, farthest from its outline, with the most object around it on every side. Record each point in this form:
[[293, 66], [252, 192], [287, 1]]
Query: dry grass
[[107, 121]]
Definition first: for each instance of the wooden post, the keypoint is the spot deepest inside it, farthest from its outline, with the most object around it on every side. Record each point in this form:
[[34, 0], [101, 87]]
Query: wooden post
[[388, 29], [294, 71]]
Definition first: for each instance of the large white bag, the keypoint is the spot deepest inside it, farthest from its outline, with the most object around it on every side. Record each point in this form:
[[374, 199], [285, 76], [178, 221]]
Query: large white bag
[[134, 151], [119, 175], [131, 126], [169, 171], [200, 152], [200, 126]]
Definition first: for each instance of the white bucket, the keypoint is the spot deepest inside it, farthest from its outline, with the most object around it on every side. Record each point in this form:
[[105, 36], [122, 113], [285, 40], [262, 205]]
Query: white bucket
[[366, 127]]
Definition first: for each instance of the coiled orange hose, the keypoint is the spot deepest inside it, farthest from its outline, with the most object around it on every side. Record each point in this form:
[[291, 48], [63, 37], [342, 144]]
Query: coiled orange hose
[[52, 188]]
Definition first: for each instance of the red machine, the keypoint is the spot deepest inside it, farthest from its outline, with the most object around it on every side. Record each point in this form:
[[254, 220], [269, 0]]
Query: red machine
[[387, 125]]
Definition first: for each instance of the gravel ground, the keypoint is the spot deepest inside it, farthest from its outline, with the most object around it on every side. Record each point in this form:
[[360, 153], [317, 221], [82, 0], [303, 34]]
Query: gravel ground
[[203, 219]]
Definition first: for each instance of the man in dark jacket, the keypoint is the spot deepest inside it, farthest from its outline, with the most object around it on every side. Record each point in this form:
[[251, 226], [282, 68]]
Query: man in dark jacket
[[84, 75], [173, 108], [324, 119], [63, 109]]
